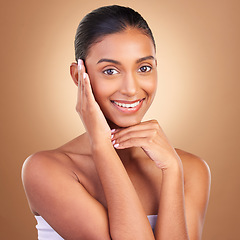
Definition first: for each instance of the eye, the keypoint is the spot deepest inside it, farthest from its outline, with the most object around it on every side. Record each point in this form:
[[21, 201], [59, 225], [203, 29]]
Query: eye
[[144, 69], [110, 71]]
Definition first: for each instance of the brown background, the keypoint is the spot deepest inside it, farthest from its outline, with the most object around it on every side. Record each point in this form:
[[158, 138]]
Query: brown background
[[197, 103]]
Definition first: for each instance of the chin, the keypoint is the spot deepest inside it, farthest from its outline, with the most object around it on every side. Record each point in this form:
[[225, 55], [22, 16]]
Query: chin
[[123, 123]]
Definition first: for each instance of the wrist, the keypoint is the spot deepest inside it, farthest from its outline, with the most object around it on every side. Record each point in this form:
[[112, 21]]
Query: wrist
[[175, 167], [101, 146], [99, 140]]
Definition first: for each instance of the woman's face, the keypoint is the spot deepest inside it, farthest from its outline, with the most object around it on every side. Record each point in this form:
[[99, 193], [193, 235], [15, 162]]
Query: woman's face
[[123, 74]]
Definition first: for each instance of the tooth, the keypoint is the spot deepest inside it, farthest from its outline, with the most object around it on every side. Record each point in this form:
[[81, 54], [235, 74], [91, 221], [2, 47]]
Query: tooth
[[127, 105]]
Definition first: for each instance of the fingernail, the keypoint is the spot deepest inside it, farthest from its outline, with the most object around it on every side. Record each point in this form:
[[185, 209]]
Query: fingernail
[[79, 64], [112, 136], [116, 145], [113, 142], [113, 130], [84, 75]]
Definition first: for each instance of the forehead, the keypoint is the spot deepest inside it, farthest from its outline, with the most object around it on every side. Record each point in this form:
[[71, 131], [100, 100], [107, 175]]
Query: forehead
[[130, 44]]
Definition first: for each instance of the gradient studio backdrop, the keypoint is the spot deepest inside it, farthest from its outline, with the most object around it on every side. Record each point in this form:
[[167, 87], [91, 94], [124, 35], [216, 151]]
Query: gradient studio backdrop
[[197, 102]]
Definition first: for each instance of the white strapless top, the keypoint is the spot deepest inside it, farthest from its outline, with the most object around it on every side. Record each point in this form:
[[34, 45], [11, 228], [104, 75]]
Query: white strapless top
[[46, 232]]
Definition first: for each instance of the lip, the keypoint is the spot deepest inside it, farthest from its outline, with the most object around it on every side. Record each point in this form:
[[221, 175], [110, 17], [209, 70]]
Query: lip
[[130, 109], [127, 102]]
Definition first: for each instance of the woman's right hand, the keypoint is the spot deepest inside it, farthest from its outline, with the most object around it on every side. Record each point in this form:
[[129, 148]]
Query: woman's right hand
[[89, 110]]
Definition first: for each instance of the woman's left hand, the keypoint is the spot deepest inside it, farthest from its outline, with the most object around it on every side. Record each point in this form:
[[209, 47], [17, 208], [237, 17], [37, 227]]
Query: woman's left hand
[[151, 138]]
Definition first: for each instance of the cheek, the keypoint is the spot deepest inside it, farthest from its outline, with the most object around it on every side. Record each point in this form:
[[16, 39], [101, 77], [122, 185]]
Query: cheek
[[150, 86], [102, 89]]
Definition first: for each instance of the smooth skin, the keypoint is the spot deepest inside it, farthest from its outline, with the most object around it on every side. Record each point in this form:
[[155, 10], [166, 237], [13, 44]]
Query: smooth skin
[[104, 183]]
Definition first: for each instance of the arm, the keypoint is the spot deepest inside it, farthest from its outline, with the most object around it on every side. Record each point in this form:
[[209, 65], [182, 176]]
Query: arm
[[127, 219], [184, 200], [184, 195], [197, 191], [171, 222], [53, 192], [188, 206]]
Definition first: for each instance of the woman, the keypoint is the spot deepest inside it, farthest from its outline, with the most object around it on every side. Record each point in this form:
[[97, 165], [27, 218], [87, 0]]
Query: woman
[[121, 179]]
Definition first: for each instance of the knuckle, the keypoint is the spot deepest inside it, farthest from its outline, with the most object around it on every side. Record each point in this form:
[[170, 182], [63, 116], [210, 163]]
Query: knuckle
[[117, 139], [154, 131], [155, 124], [131, 141], [130, 134], [90, 109], [150, 140], [77, 108], [153, 121]]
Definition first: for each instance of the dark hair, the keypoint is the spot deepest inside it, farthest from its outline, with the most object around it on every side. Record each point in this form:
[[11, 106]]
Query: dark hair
[[103, 21]]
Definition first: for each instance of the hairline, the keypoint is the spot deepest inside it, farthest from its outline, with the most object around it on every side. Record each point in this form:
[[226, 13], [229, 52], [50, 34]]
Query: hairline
[[128, 27]]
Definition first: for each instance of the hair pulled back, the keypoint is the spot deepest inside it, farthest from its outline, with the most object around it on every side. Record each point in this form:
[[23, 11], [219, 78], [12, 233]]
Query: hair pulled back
[[104, 21]]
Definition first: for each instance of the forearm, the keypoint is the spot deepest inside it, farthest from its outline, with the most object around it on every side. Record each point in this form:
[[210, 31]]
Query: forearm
[[171, 223], [126, 215]]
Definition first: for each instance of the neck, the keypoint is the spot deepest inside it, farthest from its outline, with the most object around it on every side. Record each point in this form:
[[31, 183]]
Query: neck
[[134, 156]]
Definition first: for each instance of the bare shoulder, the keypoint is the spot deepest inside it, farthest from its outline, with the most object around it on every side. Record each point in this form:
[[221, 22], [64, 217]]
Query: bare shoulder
[[54, 192], [55, 161], [42, 168], [192, 162], [195, 168], [44, 161], [197, 182]]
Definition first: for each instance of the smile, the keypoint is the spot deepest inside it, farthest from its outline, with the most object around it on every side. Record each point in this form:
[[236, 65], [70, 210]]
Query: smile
[[128, 106], [125, 105]]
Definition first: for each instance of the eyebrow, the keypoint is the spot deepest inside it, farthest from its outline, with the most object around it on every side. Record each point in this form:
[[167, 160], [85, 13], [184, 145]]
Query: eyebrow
[[145, 58], [118, 63], [108, 60]]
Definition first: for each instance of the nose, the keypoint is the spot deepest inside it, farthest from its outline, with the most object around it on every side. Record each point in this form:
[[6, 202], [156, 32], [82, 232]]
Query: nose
[[129, 85]]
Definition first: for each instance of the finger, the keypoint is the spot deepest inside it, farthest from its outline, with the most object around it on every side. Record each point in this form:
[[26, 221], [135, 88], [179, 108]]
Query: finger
[[149, 133], [84, 81], [81, 101], [143, 126], [80, 86], [87, 87], [132, 142]]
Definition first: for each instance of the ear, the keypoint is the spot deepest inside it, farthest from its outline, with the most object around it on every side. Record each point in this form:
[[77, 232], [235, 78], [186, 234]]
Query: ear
[[74, 72]]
